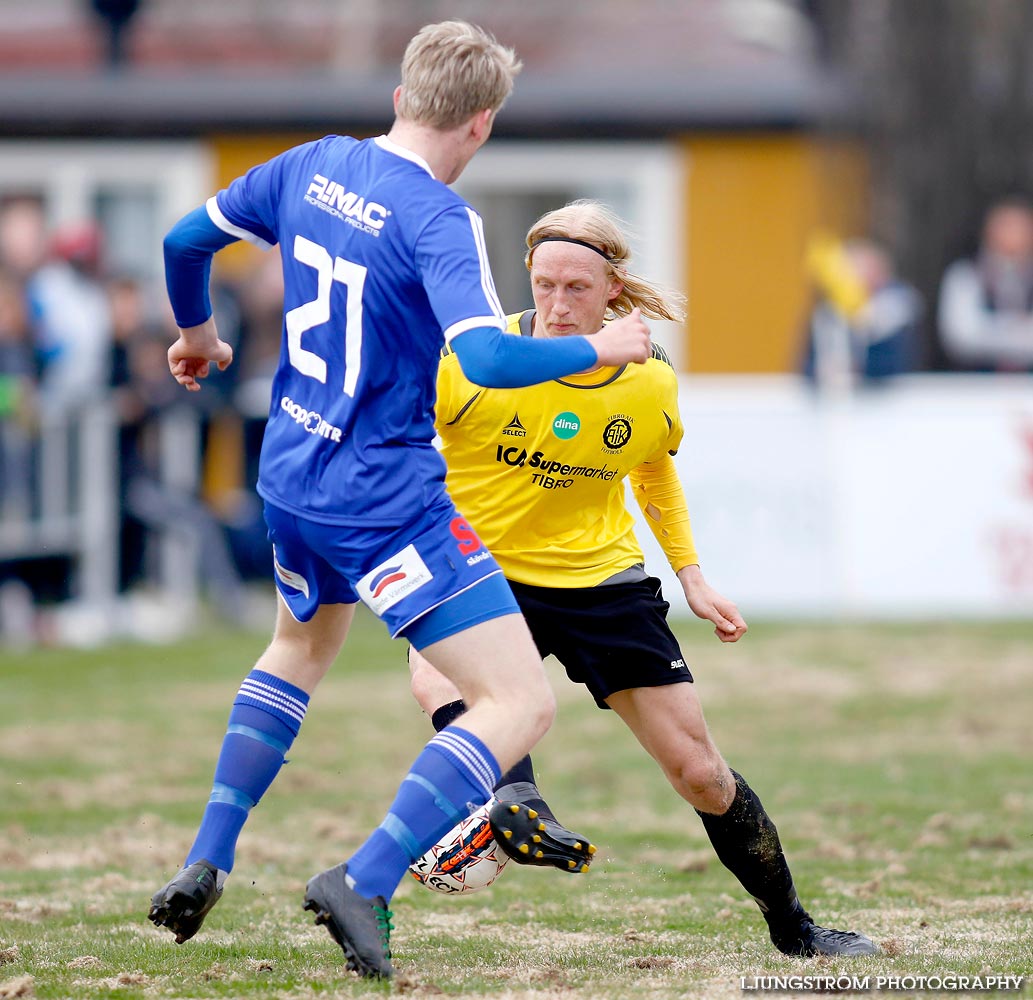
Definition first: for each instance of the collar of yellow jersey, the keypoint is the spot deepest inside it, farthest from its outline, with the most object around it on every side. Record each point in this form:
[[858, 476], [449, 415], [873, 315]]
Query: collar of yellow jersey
[[589, 380]]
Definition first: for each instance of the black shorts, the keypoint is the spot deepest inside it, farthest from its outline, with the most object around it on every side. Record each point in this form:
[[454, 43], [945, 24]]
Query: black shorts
[[608, 638]]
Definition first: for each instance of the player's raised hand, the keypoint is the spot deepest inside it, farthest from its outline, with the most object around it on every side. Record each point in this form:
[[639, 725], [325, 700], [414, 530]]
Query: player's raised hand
[[196, 350], [625, 340]]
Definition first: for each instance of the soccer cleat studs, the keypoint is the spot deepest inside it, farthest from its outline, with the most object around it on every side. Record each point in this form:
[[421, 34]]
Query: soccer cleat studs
[[530, 839]]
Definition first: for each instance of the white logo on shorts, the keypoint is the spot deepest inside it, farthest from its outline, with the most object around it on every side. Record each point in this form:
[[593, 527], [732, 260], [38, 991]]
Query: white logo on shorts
[[394, 579], [293, 580]]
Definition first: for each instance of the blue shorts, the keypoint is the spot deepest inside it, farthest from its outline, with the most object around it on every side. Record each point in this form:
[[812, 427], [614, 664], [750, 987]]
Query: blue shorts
[[426, 581]]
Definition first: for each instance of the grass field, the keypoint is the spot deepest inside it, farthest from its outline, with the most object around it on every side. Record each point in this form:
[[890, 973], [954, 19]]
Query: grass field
[[897, 762]]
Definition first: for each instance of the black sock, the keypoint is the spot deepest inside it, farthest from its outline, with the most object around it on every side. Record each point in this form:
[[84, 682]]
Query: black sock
[[517, 784], [526, 792], [747, 843]]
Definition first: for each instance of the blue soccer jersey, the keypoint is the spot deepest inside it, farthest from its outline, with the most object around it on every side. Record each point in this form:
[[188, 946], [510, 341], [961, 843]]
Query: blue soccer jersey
[[382, 264]]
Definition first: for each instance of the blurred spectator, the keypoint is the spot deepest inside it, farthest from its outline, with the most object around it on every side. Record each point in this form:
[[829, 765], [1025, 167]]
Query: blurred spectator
[[74, 320], [22, 237], [17, 409], [137, 401], [986, 303], [150, 504], [128, 311], [261, 297], [865, 323], [17, 397], [255, 359]]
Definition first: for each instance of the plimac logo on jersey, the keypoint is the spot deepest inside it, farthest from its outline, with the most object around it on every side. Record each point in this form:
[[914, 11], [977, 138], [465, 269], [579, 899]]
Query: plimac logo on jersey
[[309, 420], [393, 580], [338, 201]]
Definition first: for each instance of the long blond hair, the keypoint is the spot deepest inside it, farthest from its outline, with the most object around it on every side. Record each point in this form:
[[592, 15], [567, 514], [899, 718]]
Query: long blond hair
[[452, 70], [595, 223]]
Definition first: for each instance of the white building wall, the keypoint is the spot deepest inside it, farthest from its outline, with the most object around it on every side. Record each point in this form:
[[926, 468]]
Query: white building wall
[[912, 500]]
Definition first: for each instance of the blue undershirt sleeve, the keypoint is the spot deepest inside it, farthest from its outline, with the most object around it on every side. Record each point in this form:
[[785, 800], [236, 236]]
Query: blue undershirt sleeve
[[499, 360], [189, 247]]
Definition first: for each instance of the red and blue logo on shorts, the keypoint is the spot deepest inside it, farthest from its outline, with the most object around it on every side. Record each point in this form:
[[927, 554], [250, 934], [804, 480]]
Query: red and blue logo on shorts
[[384, 579], [393, 580]]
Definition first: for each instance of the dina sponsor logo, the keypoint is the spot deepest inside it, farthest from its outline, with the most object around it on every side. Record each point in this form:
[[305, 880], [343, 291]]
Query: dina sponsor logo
[[566, 425]]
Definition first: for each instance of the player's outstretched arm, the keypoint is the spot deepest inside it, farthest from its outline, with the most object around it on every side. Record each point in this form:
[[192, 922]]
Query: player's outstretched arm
[[496, 360], [708, 604], [189, 247]]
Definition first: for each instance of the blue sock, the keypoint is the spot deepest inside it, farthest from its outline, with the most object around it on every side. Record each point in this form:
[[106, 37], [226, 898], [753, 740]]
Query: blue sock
[[453, 775], [266, 716]]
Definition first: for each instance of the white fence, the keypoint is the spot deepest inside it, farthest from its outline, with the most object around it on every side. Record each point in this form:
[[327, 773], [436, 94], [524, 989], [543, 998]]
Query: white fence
[[913, 499], [60, 497], [910, 500]]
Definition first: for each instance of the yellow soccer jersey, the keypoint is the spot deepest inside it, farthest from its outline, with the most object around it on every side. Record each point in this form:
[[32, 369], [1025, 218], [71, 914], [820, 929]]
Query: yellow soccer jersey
[[539, 471]]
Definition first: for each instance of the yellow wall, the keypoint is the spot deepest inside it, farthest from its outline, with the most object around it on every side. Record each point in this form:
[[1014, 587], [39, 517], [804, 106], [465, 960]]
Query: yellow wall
[[752, 201], [234, 155]]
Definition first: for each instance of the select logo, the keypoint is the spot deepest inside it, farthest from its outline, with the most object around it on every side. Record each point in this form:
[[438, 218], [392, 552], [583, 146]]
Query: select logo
[[514, 428]]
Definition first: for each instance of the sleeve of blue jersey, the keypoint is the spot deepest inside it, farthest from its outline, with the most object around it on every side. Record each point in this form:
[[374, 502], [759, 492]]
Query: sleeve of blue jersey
[[498, 360], [189, 247]]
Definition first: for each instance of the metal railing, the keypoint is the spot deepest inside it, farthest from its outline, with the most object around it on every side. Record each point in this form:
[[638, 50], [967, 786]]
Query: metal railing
[[60, 497]]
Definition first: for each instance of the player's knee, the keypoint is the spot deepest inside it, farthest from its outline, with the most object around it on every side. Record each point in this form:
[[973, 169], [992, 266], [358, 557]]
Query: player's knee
[[702, 778], [536, 704], [297, 660]]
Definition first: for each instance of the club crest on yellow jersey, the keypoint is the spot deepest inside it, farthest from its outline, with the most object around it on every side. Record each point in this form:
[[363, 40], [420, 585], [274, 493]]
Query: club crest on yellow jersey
[[617, 433]]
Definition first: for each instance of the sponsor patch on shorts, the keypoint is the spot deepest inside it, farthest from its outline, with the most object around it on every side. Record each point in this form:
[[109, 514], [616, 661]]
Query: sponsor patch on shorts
[[393, 580]]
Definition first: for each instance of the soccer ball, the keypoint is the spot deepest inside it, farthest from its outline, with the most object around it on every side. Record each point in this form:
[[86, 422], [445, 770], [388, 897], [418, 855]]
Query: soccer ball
[[465, 859]]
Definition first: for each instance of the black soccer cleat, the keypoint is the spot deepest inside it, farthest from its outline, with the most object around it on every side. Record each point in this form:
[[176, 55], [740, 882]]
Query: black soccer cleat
[[531, 839], [362, 927], [808, 940], [182, 903]]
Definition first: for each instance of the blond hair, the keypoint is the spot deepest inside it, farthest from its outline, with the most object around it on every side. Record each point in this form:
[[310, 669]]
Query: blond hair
[[452, 70], [593, 222]]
